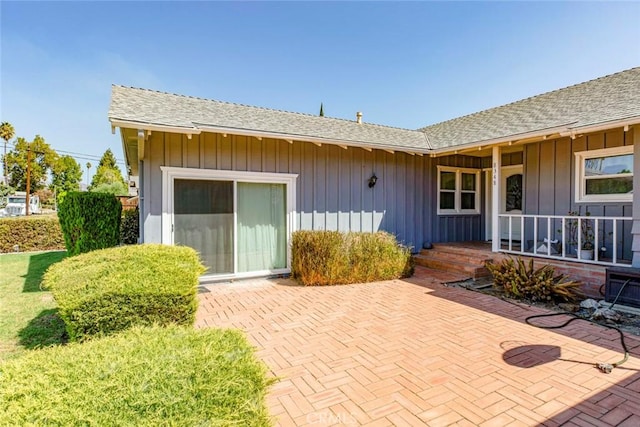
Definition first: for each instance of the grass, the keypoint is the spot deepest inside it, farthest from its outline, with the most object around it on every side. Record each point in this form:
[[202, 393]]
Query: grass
[[145, 376], [28, 315]]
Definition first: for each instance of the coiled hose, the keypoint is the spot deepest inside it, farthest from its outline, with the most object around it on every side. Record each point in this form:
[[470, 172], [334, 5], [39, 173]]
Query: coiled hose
[[603, 367]]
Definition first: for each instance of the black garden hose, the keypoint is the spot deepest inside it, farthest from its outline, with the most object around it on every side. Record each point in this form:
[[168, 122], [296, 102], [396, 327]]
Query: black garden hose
[[603, 367]]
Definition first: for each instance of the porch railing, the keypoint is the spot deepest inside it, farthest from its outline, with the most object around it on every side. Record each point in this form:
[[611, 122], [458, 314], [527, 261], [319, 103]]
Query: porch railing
[[587, 239]]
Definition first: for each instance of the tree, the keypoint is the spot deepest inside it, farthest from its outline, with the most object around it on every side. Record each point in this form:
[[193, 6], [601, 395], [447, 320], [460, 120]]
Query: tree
[[5, 190], [6, 132], [43, 157], [115, 188], [66, 174], [108, 177]]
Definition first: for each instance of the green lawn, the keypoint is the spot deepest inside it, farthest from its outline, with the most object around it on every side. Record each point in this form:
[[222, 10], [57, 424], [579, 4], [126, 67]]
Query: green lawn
[[28, 315], [142, 376]]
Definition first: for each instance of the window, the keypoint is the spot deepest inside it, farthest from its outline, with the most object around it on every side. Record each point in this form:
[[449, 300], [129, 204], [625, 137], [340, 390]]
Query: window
[[458, 191], [605, 175]]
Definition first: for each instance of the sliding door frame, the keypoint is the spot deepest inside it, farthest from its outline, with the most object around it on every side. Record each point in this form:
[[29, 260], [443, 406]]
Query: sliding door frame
[[170, 174]]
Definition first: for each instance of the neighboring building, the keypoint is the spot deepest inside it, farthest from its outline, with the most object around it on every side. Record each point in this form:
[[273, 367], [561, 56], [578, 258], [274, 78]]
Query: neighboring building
[[234, 181]]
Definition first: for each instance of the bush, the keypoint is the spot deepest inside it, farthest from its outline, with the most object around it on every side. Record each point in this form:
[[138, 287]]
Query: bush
[[129, 227], [30, 233], [334, 258], [541, 284], [113, 289], [89, 221], [142, 377]]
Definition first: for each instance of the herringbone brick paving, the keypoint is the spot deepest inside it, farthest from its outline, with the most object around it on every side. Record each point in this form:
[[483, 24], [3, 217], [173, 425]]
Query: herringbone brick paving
[[416, 352]]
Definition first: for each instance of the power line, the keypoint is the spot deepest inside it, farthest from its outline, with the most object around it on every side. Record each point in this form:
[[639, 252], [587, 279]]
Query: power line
[[81, 156]]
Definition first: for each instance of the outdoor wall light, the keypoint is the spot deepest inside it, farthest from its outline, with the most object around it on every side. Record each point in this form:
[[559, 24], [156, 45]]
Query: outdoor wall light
[[373, 180]]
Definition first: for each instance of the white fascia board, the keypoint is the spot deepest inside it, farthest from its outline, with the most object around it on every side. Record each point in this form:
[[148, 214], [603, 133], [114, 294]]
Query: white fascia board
[[152, 127], [127, 160], [503, 140], [601, 126], [314, 140]]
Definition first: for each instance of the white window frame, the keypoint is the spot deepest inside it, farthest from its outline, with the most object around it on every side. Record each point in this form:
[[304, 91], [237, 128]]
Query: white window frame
[[170, 174], [458, 191], [580, 179]]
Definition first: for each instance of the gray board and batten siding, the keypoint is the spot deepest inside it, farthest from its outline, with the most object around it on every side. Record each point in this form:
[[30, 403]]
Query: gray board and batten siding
[[455, 228], [332, 184], [549, 179]]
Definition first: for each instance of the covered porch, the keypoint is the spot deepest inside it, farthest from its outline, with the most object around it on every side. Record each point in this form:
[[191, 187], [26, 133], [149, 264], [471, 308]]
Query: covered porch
[[562, 197]]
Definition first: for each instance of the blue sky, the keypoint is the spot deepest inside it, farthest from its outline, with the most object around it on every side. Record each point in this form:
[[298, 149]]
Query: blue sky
[[401, 64]]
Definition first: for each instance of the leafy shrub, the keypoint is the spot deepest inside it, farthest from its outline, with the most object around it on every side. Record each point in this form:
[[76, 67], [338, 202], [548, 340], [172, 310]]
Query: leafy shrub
[[89, 221], [526, 282], [334, 258], [115, 188], [30, 233], [129, 227], [109, 290], [140, 377]]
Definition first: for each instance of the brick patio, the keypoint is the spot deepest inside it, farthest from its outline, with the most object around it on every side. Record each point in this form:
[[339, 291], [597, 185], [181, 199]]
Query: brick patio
[[416, 352]]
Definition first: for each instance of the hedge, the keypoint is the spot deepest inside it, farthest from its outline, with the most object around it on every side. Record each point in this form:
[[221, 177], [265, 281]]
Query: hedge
[[141, 377], [334, 258], [31, 233], [90, 221], [109, 290]]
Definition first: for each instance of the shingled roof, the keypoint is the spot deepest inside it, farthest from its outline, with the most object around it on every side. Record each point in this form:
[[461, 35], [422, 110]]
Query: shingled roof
[[143, 106], [607, 99]]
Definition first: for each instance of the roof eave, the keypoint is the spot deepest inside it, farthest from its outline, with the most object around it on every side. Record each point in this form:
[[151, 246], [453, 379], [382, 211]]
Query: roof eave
[[629, 121], [563, 131], [197, 129], [313, 139], [540, 133]]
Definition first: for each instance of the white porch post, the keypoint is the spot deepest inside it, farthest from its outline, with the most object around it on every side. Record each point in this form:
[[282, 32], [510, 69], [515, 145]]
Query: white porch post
[[635, 230], [495, 198]]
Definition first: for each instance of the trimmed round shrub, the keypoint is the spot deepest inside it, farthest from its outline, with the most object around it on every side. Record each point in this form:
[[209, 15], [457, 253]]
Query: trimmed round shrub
[[141, 377], [31, 233], [109, 290], [335, 258], [90, 221]]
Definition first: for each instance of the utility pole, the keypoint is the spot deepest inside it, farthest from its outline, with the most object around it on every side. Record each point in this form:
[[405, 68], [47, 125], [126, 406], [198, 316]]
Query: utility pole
[[28, 180]]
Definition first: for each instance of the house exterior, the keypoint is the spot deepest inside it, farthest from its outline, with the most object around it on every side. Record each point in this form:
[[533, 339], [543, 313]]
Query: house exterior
[[544, 176]]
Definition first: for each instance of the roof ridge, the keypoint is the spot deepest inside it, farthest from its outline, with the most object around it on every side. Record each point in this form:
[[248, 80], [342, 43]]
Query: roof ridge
[[422, 129], [261, 108]]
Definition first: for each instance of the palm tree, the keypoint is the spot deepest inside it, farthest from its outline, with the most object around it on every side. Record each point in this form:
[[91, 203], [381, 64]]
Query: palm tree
[[88, 165], [7, 132]]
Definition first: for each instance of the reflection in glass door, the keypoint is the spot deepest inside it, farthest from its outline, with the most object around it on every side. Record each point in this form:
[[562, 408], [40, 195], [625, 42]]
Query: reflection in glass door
[[203, 220]]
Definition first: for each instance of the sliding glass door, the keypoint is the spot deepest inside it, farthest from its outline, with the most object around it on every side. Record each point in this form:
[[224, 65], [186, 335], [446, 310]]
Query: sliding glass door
[[238, 227]]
